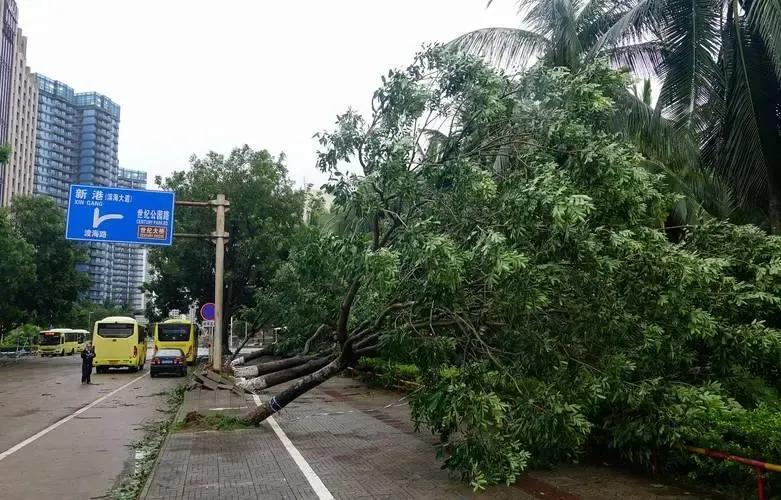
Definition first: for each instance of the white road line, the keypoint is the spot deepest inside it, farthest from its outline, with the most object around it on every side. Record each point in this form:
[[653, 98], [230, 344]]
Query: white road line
[[10, 451], [314, 481]]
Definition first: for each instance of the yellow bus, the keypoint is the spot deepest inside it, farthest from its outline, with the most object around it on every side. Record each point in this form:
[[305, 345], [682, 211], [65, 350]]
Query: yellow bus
[[75, 340], [178, 334], [52, 342], [119, 341]]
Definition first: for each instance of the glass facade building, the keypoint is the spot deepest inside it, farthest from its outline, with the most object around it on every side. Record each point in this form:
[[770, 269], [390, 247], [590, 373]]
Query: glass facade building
[[128, 263], [77, 141]]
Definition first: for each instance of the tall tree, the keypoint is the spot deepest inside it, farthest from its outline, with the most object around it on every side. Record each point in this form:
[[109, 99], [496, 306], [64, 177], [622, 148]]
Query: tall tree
[[512, 247], [571, 33], [265, 209], [561, 33], [721, 73], [17, 272], [57, 285]]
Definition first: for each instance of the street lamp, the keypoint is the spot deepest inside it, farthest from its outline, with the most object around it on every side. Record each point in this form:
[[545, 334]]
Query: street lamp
[[89, 322]]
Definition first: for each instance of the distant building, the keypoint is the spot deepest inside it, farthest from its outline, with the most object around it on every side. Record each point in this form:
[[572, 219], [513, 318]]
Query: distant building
[[77, 141], [20, 170], [129, 265], [10, 14]]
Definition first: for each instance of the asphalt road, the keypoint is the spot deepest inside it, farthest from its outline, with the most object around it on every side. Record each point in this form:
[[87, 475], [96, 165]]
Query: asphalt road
[[84, 456]]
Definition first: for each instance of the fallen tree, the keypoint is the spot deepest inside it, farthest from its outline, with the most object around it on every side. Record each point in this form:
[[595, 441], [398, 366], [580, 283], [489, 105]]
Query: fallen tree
[[503, 239]]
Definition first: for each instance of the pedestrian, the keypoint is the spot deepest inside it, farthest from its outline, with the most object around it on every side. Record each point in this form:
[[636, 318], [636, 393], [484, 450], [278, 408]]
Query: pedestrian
[[87, 355]]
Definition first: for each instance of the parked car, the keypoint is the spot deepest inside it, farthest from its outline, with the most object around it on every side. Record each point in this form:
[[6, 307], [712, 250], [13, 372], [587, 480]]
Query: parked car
[[170, 361]]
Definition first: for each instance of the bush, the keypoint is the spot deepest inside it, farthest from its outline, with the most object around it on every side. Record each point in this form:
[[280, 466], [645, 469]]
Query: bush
[[388, 374], [25, 335]]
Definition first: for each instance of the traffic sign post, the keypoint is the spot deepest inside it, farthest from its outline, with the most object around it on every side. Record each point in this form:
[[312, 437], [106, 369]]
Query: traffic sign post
[[219, 236], [207, 311], [118, 215], [143, 217]]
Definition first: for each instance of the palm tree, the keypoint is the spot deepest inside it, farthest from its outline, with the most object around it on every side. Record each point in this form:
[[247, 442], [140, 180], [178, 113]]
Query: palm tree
[[562, 33], [570, 33], [721, 73]]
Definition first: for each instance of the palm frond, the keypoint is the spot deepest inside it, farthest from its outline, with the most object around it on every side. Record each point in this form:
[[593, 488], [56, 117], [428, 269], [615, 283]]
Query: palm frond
[[655, 136], [692, 38], [640, 58], [765, 18], [556, 20], [734, 148], [634, 25], [502, 46], [598, 16]]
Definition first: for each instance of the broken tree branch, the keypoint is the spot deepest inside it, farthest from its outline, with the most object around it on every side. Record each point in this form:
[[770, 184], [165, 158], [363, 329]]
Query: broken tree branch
[[271, 366], [311, 339], [301, 386], [263, 351], [280, 377]]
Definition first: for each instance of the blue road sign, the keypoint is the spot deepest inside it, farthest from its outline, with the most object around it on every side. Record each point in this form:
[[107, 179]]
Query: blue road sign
[[207, 311], [119, 215]]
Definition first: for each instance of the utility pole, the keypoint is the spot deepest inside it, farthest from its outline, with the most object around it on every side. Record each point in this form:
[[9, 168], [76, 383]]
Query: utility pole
[[220, 206], [219, 262]]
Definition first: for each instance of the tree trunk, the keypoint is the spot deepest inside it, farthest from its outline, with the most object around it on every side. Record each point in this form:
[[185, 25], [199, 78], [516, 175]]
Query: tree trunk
[[263, 351], [270, 367], [280, 377], [774, 205], [237, 351], [303, 385], [311, 339]]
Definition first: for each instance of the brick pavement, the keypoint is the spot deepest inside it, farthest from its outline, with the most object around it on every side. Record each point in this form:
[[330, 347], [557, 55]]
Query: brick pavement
[[359, 451], [357, 455]]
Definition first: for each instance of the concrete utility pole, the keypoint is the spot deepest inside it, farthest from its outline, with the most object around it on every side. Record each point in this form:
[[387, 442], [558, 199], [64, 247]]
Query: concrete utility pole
[[220, 206]]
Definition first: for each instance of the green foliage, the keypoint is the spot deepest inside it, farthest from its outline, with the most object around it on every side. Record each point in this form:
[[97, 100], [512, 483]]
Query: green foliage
[[216, 422], [520, 245], [388, 374], [57, 284], [265, 211], [5, 153], [17, 272], [25, 335]]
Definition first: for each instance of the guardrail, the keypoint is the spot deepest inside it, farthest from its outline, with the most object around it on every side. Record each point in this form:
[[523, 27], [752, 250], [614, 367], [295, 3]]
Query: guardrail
[[759, 467]]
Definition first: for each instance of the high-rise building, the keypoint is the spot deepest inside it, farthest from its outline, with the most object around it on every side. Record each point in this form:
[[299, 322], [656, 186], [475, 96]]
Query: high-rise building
[[129, 261], [20, 169], [10, 13], [77, 141]]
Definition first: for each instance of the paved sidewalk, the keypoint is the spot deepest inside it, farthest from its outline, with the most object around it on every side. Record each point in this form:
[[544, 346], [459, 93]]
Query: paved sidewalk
[[357, 448]]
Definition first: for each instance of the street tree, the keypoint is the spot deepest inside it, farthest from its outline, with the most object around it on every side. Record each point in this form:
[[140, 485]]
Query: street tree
[[56, 286], [17, 271], [501, 237], [265, 210]]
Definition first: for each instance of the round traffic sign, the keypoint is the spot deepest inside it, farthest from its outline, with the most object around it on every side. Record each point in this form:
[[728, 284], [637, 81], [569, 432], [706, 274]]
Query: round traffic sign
[[207, 311]]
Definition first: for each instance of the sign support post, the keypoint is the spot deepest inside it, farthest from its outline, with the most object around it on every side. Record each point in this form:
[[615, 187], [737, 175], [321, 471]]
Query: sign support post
[[220, 206], [219, 263]]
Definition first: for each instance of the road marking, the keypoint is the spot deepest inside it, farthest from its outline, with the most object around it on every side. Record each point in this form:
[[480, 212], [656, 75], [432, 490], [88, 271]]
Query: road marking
[[314, 481], [10, 451]]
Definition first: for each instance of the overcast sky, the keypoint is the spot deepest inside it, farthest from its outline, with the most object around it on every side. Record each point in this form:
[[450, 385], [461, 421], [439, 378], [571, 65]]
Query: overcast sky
[[198, 75]]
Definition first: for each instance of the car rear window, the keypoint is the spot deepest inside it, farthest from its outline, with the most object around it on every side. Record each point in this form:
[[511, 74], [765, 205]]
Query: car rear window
[[117, 331], [169, 353], [173, 333]]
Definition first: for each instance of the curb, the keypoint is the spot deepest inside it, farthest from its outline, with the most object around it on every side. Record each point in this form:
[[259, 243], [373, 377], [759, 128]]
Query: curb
[[148, 483]]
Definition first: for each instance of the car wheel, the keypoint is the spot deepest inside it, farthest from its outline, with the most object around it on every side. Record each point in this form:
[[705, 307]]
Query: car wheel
[[152, 374]]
